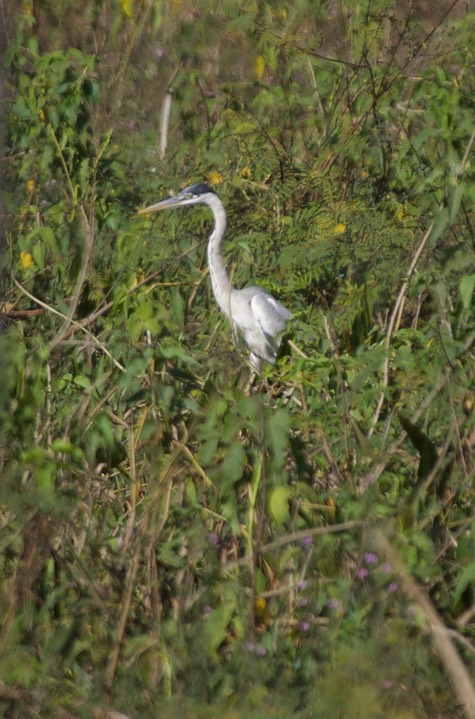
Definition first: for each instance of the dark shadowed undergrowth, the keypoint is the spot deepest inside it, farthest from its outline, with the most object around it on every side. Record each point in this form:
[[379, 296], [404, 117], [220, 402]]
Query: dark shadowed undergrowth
[[172, 541]]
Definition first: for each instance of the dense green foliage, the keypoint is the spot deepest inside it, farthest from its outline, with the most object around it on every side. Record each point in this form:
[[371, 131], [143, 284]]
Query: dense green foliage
[[173, 540]]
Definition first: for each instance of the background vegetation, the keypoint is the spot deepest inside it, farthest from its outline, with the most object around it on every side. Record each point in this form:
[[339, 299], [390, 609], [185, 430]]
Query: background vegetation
[[170, 541]]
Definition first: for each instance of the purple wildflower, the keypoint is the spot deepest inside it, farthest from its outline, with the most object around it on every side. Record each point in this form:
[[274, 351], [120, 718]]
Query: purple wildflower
[[361, 573], [370, 558], [213, 539], [159, 52], [392, 587]]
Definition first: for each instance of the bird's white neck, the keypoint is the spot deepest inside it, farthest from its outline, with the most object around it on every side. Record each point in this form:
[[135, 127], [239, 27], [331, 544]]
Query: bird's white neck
[[219, 277]]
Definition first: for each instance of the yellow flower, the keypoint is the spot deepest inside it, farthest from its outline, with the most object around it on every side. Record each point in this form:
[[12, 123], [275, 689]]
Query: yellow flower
[[260, 606], [41, 115], [259, 67], [26, 259], [261, 611], [127, 7], [246, 172], [30, 186], [339, 229], [214, 178]]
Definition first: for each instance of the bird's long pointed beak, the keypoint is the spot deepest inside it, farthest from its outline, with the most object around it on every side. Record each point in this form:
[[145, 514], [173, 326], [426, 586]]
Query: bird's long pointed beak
[[163, 205]]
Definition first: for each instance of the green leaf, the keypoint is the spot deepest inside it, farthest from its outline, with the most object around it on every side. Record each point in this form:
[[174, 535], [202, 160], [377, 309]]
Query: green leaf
[[178, 352], [218, 622], [467, 285], [207, 451], [233, 465], [441, 221], [423, 444], [361, 438], [278, 504], [64, 447], [45, 476], [82, 381], [278, 433], [466, 578], [455, 200]]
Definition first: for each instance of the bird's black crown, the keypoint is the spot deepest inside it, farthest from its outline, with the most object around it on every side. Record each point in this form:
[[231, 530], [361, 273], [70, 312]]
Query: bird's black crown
[[199, 189]]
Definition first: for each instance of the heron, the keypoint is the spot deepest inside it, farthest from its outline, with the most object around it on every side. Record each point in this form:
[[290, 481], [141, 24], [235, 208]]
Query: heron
[[255, 315]]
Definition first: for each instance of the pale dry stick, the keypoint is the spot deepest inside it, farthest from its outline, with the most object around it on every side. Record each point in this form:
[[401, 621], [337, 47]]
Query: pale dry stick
[[461, 639], [390, 79], [166, 110], [464, 526], [304, 533], [80, 280], [442, 380], [466, 616], [281, 590], [451, 538], [85, 344], [75, 324], [460, 452], [159, 495], [314, 84], [396, 314], [19, 313], [134, 483], [341, 379], [463, 164], [298, 536], [441, 456], [297, 349], [441, 635], [142, 535], [90, 319], [89, 235], [189, 455], [49, 413], [89, 244], [394, 322], [70, 183], [165, 122], [138, 28], [125, 607]]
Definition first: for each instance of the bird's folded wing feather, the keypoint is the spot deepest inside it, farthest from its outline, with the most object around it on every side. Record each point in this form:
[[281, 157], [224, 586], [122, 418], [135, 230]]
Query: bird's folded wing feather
[[270, 314]]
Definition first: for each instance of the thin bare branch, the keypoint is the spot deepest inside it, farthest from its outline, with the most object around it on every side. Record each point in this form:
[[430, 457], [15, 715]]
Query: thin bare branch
[[73, 323], [394, 322], [441, 635], [88, 225]]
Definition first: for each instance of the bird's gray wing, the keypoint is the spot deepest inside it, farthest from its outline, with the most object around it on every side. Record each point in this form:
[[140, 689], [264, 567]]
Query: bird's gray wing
[[270, 314]]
